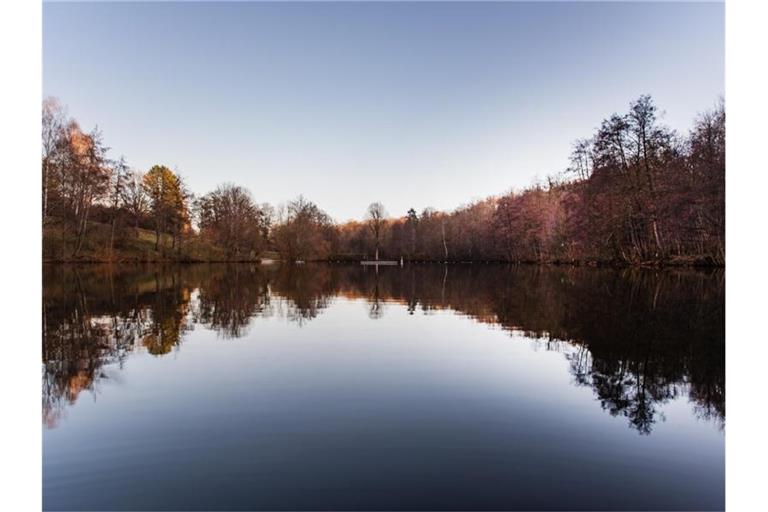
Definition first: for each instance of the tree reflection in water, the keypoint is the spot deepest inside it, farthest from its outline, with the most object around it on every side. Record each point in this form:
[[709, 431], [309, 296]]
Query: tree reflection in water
[[637, 338]]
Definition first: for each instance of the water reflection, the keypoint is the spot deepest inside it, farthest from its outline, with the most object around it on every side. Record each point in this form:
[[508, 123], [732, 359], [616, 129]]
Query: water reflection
[[230, 298], [637, 338]]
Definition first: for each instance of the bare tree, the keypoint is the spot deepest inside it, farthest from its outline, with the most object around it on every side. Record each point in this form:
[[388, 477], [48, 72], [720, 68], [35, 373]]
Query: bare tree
[[133, 197], [54, 122], [376, 217], [413, 222], [581, 159], [119, 174]]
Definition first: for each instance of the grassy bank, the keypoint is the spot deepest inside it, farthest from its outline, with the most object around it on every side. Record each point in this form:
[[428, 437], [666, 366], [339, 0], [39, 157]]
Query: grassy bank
[[130, 245]]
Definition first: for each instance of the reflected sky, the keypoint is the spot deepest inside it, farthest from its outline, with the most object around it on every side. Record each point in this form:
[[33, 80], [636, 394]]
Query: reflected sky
[[427, 387]]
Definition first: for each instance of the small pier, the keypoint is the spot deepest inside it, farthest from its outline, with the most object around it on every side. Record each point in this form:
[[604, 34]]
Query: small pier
[[380, 262]]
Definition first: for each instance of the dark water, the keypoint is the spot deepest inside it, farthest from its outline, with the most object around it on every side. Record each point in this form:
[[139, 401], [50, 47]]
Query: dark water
[[425, 387]]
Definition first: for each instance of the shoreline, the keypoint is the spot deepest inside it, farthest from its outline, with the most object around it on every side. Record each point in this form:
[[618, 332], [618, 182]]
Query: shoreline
[[702, 263]]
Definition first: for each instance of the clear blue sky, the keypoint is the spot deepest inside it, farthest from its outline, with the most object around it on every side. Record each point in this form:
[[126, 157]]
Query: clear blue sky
[[410, 104]]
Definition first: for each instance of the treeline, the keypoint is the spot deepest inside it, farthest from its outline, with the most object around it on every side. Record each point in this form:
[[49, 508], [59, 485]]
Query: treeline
[[635, 192]]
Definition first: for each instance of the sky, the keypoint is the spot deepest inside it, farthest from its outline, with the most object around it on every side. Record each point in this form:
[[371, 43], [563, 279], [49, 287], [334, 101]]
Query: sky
[[409, 104]]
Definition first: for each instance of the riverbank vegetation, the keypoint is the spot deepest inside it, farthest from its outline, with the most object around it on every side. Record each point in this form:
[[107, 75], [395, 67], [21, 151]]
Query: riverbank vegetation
[[636, 192]]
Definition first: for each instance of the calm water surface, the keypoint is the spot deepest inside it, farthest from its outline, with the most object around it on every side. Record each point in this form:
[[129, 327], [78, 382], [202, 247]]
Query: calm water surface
[[231, 387]]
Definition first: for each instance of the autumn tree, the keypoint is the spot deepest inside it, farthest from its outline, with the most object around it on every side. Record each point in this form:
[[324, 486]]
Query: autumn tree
[[470, 232], [304, 231], [167, 201], [229, 216], [83, 177], [352, 239], [181, 220]]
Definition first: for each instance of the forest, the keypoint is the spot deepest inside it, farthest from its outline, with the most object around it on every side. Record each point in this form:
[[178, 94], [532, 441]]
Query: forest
[[635, 193]]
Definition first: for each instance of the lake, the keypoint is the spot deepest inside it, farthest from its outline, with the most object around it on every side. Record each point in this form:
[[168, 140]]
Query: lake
[[340, 387]]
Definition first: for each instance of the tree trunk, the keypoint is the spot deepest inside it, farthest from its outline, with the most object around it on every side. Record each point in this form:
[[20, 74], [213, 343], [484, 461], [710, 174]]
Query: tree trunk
[[657, 239], [83, 224], [45, 191], [112, 238], [157, 233], [445, 245]]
